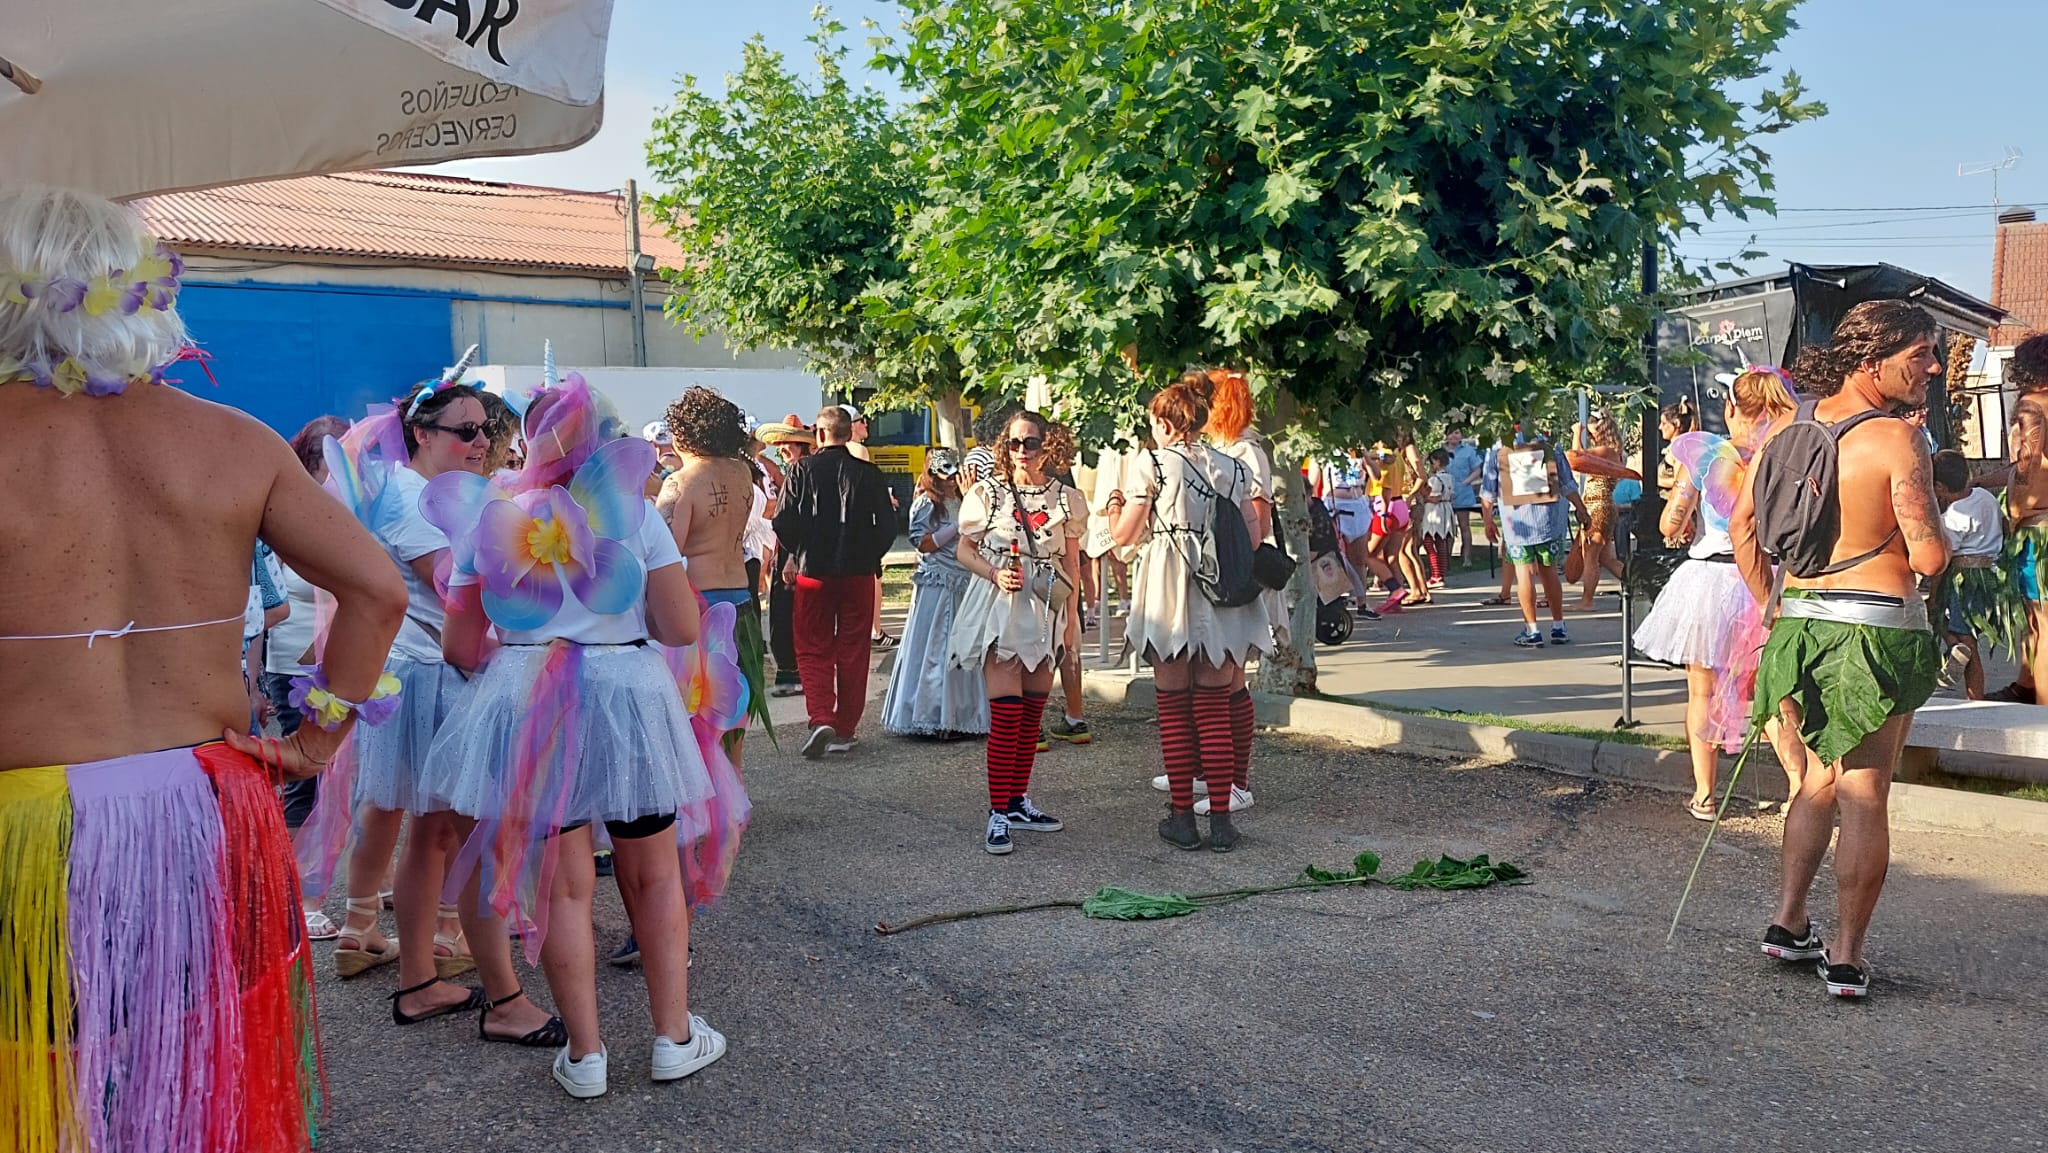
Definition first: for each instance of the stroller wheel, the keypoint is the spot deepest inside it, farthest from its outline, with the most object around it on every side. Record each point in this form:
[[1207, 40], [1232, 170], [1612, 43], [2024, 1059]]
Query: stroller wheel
[[1334, 628]]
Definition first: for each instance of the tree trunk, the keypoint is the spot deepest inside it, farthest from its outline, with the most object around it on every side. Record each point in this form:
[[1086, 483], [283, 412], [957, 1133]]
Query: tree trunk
[[952, 420], [1291, 670]]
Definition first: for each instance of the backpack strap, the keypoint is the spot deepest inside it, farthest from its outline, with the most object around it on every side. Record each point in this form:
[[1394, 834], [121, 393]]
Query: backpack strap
[[1838, 431]]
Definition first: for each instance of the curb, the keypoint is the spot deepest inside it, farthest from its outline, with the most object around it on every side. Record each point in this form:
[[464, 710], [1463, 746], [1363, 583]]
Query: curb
[[1366, 727]]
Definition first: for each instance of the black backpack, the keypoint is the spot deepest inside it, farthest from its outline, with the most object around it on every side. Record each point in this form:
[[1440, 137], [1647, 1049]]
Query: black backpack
[[1223, 570], [1797, 495]]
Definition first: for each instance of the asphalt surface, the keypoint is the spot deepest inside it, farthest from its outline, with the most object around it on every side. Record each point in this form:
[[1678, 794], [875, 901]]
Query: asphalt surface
[[1549, 1016]]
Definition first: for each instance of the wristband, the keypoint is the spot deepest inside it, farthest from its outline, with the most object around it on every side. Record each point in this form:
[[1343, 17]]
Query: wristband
[[311, 696]]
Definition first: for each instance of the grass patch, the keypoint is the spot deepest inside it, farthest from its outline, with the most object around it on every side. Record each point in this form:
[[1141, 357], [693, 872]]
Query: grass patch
[[1616, 736], [1988, 785], [896, 585]]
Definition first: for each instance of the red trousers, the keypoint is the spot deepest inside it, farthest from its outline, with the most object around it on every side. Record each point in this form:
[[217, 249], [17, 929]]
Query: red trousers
[[832, 620]]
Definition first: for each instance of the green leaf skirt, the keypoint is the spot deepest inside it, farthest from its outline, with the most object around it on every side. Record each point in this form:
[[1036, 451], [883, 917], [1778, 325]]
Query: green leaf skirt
[[1847, 680]]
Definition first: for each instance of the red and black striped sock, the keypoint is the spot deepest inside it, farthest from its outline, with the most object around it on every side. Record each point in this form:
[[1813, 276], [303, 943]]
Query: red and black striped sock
[[1027, 745], [1177, 746], [1433, 548], [1004, 716], [1243, 719], [1218, 748]]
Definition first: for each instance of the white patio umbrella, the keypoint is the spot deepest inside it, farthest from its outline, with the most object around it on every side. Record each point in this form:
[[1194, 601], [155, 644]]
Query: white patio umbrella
[[122, 97]]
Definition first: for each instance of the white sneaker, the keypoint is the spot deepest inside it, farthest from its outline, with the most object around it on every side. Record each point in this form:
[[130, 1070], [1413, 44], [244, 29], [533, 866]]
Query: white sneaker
[[585, 1078], [815, 744], [1240, 800], [672, 1062], [1165, 786], [839, 745]]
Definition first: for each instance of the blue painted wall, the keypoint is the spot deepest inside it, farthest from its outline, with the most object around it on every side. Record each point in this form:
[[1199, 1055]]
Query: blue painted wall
[[290, 354]]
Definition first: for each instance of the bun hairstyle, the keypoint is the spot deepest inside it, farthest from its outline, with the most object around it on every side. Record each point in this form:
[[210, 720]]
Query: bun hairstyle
[[1183, 406], [1681, 416], [2028, 367], [310, 443], [1873, 330], [1006, 464], [430, 408]]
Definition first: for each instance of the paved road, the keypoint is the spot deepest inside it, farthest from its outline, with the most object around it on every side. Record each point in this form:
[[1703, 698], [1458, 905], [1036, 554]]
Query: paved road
[[1544, 1017]]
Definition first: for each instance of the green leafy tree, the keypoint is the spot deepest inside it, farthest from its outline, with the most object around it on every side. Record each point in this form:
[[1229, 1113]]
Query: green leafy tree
[[1382, 209], [787, 195]]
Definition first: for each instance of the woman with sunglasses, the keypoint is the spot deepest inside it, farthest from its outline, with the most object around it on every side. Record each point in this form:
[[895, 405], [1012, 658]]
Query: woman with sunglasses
[[440, 427], [1020, 533], [1197, 649], [928, 697]]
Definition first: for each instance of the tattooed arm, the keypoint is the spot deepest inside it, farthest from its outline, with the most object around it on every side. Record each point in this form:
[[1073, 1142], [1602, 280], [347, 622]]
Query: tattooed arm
[[1919, 513]]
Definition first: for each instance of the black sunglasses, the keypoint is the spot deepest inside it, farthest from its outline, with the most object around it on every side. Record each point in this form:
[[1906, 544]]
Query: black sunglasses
[[464, 432], [1027, 444]]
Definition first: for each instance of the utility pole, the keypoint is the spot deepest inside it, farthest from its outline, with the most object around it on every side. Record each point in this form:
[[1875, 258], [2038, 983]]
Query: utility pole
[[637, 267]]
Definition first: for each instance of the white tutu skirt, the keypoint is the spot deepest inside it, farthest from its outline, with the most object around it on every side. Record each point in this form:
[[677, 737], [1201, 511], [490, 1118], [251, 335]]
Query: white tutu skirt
[[927, 696], [1694, 619], [1171, 619], [634, 752], [391, 757]]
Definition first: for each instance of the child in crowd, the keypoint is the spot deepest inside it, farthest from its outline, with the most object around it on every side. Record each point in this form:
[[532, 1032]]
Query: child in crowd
[[1437, 520], [1968, 597]]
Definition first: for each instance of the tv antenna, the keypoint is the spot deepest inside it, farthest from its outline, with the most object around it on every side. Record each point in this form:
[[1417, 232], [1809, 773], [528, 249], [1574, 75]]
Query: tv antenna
[[2011, 160]]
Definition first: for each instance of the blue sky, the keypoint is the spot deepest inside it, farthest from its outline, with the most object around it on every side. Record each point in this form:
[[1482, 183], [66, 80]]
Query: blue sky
[[1913, 89]]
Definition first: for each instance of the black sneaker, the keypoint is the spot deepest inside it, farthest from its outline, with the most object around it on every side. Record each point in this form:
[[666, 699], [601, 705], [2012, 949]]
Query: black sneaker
[[2015, 692], [1367, 614], [1843, 980], [998, 840], [1780, 943], [627, 954], [604, 863], [820, 739], [1025, 815], [1180, 831]]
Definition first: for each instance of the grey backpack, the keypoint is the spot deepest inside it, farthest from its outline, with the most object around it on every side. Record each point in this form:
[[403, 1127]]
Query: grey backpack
[[1797, 495]]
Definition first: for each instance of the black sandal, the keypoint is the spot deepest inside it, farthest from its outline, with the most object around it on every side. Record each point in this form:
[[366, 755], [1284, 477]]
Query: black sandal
[[474, 1000], [552, 1035]]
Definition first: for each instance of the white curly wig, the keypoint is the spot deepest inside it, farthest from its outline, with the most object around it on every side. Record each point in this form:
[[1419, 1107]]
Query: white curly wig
[[86, 294]]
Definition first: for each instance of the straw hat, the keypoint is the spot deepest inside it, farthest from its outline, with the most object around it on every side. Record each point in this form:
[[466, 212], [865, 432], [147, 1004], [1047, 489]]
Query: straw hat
[[789, 431]]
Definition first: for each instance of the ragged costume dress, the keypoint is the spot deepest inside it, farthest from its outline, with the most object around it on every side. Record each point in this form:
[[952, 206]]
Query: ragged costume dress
[[1170, 617], [1705, 615], [1027, 626], [576, 718], [928, 695], [155, 979]]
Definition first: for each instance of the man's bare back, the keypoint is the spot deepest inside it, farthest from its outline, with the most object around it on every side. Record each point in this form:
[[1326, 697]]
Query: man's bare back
[[1887, 498], [706, 503], [145, 507]]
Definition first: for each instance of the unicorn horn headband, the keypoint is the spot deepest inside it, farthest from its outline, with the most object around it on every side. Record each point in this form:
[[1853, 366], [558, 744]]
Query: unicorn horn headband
[[547, 364], [452, 376]]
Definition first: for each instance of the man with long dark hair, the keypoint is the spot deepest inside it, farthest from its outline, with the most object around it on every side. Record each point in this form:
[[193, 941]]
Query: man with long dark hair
[[1850, 655]]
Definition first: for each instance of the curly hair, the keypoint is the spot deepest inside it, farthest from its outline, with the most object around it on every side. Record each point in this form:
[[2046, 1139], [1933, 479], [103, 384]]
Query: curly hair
[[431, 408], [503, 427], [311, 442], [1873, 330], [1060, 448], [2028, 367], [1600, 429], [705, 424], [1006, 466], [1230, 404]]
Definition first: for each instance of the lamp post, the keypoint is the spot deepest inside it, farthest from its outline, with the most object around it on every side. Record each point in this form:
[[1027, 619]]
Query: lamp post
[[638, 265]]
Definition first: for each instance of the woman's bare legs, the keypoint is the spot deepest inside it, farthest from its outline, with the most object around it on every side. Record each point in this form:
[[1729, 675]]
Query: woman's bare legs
[[569, 955], [368, 861], [650, 876], [1706, 754]]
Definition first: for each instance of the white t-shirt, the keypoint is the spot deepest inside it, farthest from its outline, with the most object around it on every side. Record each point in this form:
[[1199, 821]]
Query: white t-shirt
[[655, 545], [1974, 525], [760, 535], [408, 536], [294, 635]]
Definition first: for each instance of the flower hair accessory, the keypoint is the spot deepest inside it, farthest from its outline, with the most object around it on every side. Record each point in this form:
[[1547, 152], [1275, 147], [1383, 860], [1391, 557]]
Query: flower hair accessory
[[151, 285], [311, 696]]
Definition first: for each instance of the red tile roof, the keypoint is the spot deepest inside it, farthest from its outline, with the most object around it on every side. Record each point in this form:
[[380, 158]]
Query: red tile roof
[[409, 217], [2019, 279]]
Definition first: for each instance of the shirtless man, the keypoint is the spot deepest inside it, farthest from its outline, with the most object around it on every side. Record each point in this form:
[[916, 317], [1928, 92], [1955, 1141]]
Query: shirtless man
[[706, 501], [129, 788], [2026, 506], [1861, 633]]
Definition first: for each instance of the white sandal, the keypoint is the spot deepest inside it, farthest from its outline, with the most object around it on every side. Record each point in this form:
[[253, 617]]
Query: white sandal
[[354, 960], [458, 960], [319, 927]]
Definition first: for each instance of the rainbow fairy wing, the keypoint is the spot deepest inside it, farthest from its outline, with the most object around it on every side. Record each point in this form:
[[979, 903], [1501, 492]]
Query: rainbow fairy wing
[[1714, 466], [454, 503], [612, 487]]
